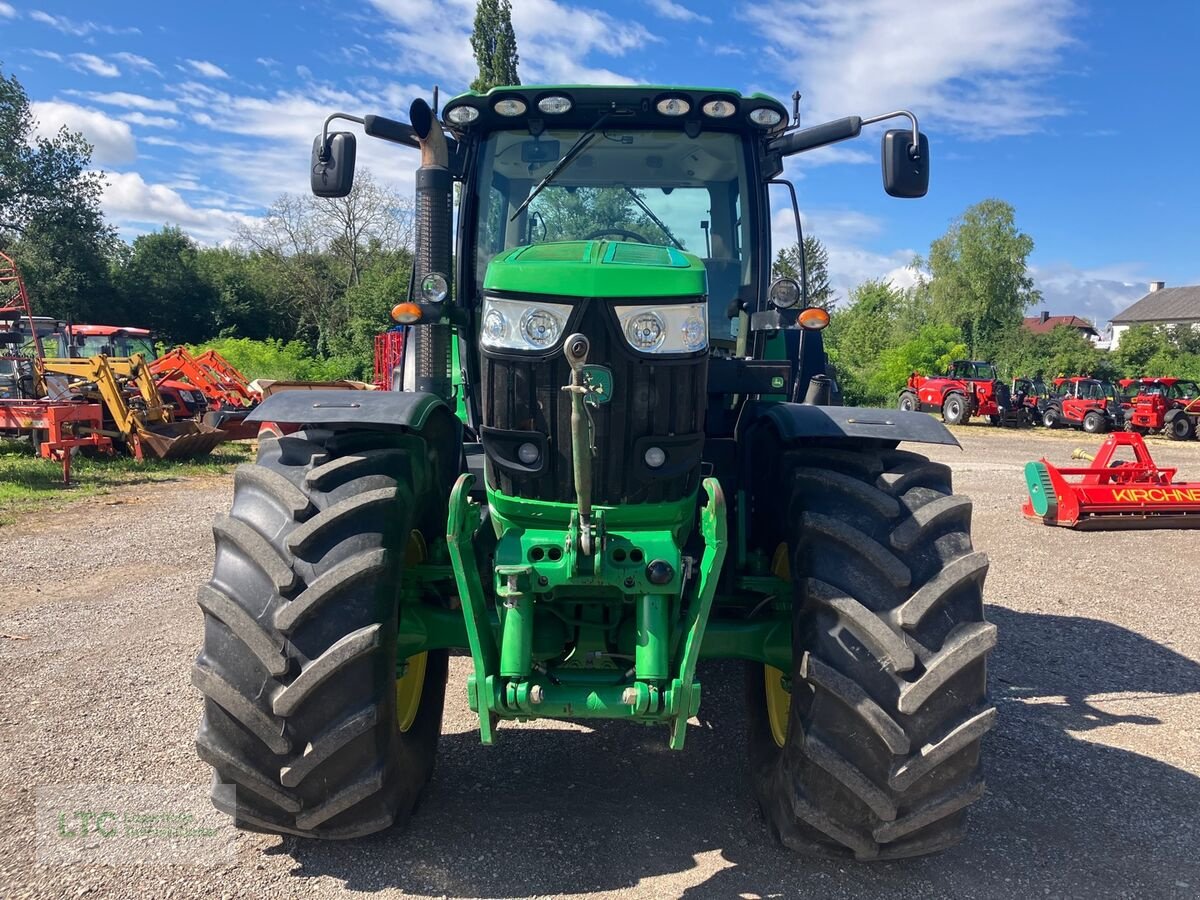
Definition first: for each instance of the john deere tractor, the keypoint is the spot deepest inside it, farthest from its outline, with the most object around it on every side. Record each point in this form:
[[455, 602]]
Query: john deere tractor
[[613, 456]]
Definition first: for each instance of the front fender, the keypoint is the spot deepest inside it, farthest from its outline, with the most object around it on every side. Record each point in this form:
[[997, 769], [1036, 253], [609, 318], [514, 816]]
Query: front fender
[[794, 421], [407, 410]]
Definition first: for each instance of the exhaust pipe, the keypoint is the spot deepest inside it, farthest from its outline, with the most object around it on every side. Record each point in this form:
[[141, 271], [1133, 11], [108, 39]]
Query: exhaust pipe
[[427, 356]]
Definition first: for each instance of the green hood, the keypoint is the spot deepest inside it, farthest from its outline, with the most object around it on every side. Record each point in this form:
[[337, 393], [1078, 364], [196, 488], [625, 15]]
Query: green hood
[[597, 269]]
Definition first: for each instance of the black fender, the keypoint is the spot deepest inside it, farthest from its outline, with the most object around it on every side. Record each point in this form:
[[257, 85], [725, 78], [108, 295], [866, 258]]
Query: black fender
[[796, 421], [405, 410]]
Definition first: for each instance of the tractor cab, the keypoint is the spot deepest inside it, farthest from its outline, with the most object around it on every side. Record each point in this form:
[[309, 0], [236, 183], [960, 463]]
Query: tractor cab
[[973, 370]]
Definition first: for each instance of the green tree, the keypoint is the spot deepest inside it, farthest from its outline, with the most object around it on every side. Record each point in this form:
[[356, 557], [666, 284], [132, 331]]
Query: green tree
[[495, 45], [50, 216], [931, 350], [980, 281], [162, 285], [816, 261], [858, 334]]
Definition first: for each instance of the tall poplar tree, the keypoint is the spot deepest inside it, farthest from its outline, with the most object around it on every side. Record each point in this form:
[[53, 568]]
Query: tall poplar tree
[[495, 45]]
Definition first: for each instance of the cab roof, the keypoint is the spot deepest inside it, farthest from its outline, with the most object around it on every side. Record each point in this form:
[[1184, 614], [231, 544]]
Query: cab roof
[[107, 330]]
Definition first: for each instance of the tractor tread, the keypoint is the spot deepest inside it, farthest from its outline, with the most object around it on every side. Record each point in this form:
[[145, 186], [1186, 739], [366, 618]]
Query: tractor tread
[[236, 704], [930, 756], [912, 530], [276, 486], [328, 743], [265, 646], [934, 811], [869, 628], [966, 568], [329, 584], [353, 793], [342, 653], [306, 533], [881, 756], [853, 697], [258, 548], [878, 500], [967, 644], [863, 846], [233, 768], [873, 552], [850, 776], [351, 466]]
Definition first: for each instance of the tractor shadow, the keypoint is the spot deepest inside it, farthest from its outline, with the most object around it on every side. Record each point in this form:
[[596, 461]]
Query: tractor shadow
[[554, 812]]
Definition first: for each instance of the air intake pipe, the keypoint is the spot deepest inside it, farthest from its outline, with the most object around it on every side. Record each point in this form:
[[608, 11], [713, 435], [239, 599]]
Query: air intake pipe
[[427, 352]]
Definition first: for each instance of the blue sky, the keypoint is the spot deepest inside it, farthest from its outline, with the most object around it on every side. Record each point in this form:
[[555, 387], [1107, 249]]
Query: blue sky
[[1081, 114]]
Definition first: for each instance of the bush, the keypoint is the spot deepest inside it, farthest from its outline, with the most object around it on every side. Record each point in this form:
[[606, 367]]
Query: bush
[[274, 359]]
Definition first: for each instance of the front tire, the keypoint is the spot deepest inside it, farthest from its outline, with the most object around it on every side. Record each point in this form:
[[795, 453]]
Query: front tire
[[299, 666], [954, 409], [1052, 417], [1182, 427], [1095, 423], [881, 754], [908, 401]]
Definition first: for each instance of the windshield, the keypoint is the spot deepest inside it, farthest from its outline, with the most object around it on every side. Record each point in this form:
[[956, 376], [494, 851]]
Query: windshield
[[657, 187], [976, 371], [114, 345], [1184, 390]]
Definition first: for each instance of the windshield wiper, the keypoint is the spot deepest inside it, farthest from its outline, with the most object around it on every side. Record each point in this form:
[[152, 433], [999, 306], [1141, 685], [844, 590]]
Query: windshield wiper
[[581, 144], [653, 218]]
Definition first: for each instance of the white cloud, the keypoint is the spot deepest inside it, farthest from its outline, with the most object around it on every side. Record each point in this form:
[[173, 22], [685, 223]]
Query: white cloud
[[90, 63], [668, 9], [111, 139], [135, 205], [136, 62], [1097, 294], [207, 69], [976, 65], [267, 61], [77, 29], [137, 118], [7, 12], [126, 100], [554, 40]]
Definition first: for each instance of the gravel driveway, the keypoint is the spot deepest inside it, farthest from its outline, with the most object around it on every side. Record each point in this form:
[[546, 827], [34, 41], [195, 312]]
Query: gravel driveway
[[1093, 771]]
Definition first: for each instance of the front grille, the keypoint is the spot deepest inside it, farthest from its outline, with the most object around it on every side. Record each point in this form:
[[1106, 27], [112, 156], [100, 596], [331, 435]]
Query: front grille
[[652, 397]]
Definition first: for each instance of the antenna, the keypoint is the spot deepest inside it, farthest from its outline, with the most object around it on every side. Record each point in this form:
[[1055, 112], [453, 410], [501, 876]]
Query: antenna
[[796, 109]]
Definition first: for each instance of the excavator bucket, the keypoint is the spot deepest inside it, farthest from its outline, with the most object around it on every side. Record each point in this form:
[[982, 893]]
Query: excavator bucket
[[179, 440], [1113, 492]]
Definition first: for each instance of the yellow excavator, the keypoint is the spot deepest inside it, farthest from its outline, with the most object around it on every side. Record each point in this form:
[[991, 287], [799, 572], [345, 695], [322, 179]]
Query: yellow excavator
[[140, 419]]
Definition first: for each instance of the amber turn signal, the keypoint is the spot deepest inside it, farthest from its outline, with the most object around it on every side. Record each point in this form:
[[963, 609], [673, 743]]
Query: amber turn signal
[[813, 318], [406, 313]]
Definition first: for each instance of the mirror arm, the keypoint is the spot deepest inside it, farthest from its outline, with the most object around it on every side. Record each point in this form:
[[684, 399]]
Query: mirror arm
[[324, 156], [914, 149]]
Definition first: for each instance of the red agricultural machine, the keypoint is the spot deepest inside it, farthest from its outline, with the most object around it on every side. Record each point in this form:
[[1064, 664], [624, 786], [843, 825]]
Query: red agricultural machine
[[1168, 405], [1030, 396], [1118, 490], [55, 425], [227, 393], [970, 388], [1083, 402]]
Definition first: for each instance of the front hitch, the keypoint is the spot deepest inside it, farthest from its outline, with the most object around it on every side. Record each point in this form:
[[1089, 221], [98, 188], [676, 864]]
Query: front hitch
[[582, 437]]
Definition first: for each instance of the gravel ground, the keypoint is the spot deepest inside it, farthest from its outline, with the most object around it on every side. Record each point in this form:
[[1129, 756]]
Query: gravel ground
[[1093, 771]]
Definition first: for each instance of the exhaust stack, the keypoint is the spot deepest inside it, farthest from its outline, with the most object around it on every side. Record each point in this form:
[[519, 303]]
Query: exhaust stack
[[427, 353]]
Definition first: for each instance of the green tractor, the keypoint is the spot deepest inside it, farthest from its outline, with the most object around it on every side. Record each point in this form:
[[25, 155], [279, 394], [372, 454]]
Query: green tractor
[[615, 454]]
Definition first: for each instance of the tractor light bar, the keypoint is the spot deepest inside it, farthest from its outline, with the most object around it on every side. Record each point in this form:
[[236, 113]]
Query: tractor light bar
[[813, 318], [718, 109], [765, 116], [555, 105], [673, 106], [511, 106], [462, 115]]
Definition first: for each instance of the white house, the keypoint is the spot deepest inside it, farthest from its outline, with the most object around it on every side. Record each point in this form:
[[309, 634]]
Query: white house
[[1162, 306]]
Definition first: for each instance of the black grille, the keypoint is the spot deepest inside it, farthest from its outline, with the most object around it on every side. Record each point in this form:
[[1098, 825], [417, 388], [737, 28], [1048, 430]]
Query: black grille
[[652, 397]]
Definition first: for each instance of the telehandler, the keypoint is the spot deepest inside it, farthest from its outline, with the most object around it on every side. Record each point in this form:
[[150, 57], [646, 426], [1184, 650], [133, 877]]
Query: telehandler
[[610, 456]]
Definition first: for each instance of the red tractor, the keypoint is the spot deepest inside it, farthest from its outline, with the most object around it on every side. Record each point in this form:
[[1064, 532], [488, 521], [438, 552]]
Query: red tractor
[[1170, 405], [1030, 396], [1083, 402], [970, 388]]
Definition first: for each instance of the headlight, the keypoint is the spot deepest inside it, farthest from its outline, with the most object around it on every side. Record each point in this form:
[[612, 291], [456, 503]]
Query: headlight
[[679, 328], [784, 293], [766, 117], [519, 325], [463, 115], [510, 106], [673, 106]]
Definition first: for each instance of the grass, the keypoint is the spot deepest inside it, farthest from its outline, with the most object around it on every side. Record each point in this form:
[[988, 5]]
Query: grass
[[28, 482]]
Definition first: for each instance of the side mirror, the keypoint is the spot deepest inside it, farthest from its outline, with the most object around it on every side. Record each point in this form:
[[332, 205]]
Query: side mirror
[[332, 171], [905, 173]]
